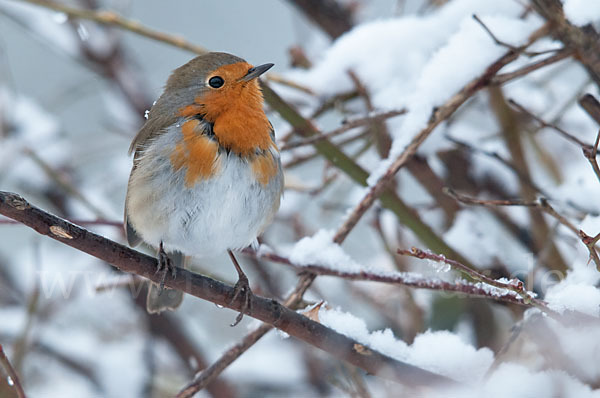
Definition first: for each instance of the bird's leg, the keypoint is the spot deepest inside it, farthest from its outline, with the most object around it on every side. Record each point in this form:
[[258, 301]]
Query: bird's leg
[[241, 287], [164, 266]]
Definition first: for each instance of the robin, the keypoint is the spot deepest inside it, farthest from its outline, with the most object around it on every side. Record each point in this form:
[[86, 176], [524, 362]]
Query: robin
[[206, 174]]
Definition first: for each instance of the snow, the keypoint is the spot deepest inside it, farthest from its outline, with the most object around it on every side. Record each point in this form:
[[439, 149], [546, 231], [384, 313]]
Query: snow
[[417, 60], [581, 12], [441, 352], [425, 71], [518, 381], [475, 224], [319, 249]]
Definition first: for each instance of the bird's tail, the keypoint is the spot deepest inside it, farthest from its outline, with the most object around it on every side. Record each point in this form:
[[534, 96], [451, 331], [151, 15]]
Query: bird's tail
[[167, 299]]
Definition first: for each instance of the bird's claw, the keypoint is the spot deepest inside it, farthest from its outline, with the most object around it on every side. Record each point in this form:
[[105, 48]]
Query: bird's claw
[[242, 287], [164, 266]]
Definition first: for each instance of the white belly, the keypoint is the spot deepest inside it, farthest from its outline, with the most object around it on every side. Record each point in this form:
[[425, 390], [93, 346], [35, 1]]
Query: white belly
[[226, 211]]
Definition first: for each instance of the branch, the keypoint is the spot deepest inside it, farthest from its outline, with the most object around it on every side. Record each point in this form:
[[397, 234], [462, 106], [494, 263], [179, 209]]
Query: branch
[[269, 311], [411, 279], [442, 113], [592, 107], [12, 374], [111, 18], [347, 125], [330, 16], [585, 41], [505, 77], [544, 124], [107, 223], [204, 378], [541, 204], [515, 286], [389, 199]]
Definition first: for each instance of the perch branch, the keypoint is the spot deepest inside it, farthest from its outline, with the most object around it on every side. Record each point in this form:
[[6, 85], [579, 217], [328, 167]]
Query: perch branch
[[269, 311]]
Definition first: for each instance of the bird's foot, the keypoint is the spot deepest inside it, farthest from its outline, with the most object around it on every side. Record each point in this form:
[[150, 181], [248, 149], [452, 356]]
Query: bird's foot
[[164, 266], [242, 288]]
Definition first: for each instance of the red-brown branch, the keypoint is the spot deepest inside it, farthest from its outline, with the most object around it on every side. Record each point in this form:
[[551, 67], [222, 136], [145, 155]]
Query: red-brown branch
[[269, 311]]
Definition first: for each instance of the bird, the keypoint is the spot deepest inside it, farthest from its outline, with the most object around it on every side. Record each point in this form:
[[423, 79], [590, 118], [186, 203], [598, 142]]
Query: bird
[[206, 176]]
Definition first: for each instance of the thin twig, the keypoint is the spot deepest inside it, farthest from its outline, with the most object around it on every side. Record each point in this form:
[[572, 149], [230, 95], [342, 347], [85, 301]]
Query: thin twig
[[515, 285], [495, 155], [14, 378], [347, 125], [541, 204], [590, 152], [63, 182], [276, 78], [111, 18], [543, 123], [206, 377], [403, 279], [381, 134], [585, 40], [590, 243], [509, 76], [508, 45], [492, 35]]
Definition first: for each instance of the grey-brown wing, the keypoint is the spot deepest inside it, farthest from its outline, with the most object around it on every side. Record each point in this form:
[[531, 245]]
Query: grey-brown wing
[[130, 233], [132, 236]]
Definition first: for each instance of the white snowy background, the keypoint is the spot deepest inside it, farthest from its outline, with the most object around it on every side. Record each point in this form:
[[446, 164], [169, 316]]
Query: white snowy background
[[68, 321]]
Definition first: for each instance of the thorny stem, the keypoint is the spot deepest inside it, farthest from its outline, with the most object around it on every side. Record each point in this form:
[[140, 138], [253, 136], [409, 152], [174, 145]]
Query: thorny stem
[[514, 285], [401, 278]]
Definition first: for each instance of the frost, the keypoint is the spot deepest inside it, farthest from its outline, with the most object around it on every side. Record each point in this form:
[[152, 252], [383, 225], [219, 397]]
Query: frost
[[439, 266]]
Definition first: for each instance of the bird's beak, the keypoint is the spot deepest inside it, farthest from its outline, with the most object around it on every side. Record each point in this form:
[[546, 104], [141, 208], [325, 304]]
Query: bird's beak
[[256, 71]]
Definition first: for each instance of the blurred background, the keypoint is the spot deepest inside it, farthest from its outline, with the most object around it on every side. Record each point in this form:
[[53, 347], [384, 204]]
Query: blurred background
[[73, 94]]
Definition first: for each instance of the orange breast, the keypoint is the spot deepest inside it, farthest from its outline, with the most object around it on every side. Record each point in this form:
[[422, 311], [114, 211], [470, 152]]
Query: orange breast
[[195, 153], [264, 168]]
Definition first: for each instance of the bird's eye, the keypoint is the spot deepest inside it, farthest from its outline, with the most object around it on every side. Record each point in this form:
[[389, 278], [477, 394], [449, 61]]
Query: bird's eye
[[216, 81]]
